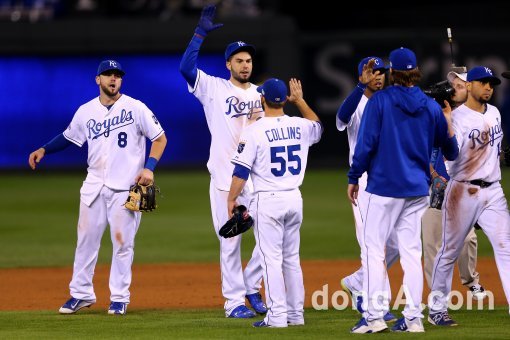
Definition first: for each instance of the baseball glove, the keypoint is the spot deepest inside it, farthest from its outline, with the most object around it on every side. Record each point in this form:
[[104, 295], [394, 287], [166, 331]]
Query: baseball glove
[[142, 197], [240, 222], [437, 192]]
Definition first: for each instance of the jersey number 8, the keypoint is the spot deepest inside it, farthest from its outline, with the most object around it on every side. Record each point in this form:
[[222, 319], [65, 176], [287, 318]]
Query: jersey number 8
[[122, 139]]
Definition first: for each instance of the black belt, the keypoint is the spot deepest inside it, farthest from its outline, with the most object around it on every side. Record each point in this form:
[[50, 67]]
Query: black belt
[[480, 183]]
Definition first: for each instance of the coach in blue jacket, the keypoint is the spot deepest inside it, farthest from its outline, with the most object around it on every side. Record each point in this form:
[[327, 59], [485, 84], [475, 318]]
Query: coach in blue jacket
[[399, 128]]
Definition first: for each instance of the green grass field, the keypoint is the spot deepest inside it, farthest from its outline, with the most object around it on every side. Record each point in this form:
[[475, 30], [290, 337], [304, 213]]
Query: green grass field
[[39, 212], [209, 324]]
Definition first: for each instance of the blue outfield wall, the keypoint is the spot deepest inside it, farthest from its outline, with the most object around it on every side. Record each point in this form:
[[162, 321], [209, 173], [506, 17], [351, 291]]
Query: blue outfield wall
[[39, 96]]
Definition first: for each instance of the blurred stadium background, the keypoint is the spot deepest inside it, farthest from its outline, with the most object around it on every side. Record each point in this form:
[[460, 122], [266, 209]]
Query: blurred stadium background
[[50, 50]]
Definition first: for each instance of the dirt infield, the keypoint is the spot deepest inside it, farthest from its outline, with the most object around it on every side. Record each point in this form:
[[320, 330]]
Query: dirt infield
[[167, 286]]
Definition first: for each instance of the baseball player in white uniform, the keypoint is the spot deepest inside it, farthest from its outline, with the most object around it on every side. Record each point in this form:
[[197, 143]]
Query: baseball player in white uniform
[[432, 227], [229, 106], [115, 127], [274, 151], [371, 72], [474, 194]]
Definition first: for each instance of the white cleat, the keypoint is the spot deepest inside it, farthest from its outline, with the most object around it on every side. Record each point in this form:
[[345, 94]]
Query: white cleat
[[363, 326], [413, 325]]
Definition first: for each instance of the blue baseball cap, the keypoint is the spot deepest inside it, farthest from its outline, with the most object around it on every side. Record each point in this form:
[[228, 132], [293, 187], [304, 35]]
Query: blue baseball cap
[[108, 65], [378, 65], [402, 59], [482, 73], [274, 90], [238, 46]]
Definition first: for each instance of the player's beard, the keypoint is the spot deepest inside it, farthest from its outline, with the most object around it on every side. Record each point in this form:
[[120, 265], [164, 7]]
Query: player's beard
[[484, 99], [240, 79], [109, 91]]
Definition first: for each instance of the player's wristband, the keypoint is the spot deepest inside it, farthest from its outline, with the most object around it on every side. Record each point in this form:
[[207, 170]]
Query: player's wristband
[[151, 164], [200, 32]]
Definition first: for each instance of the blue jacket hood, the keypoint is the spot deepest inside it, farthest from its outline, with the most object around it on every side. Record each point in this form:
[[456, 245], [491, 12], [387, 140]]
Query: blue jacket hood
[[411, 100]]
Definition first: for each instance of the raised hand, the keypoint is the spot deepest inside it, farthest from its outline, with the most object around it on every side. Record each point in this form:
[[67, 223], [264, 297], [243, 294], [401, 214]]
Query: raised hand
[[296, 91], [368, 74], [205, 24]]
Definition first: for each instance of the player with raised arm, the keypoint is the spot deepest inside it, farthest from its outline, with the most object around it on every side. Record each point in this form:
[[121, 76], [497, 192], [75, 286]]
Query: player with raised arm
[[115, 127], [274, 152], [474, 193], [229, 106], [371, 75]]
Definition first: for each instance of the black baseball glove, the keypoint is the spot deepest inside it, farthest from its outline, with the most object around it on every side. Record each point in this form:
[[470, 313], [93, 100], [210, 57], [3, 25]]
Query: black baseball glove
[[142, 197], [240, 222], [437, 192]]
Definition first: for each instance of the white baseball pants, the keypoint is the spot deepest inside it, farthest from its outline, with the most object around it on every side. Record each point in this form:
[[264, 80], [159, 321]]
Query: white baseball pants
[[278, 218], [463, 206], [234, 284], [383, 216], [107, 209]]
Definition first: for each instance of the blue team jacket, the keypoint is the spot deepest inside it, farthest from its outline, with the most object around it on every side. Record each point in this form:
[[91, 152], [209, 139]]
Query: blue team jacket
[[399, 128]]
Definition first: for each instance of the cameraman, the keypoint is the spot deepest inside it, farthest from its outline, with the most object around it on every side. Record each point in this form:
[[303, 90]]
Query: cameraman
[[432, 220]]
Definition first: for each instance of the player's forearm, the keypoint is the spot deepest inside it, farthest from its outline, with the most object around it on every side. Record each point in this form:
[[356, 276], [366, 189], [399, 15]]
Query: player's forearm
[[451, 148], [349, 105], [188, 66], [451, 131], [306, 111], [433, 157], [58, 143], [158, 147], [236, 187]]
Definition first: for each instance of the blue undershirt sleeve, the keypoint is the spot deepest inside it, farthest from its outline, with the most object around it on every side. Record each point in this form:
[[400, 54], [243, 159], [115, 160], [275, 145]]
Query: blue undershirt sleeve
[[58, 143], [349, 105], [188, 66], [433, 158], [241, 172]]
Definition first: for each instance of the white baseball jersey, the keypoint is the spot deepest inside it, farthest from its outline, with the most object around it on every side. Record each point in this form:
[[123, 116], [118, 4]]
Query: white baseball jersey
[[353, 126], [116, 142], [228, 109], [479, 136], [275, 149]]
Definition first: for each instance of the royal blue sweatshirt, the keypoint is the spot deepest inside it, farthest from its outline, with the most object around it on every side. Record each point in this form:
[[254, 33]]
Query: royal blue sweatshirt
[[399, 128], [437, 162]]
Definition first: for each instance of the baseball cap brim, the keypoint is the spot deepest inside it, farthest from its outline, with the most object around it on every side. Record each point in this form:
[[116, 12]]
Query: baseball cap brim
[[381, 69], [491, 80], [114, 70], [246, 48]]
